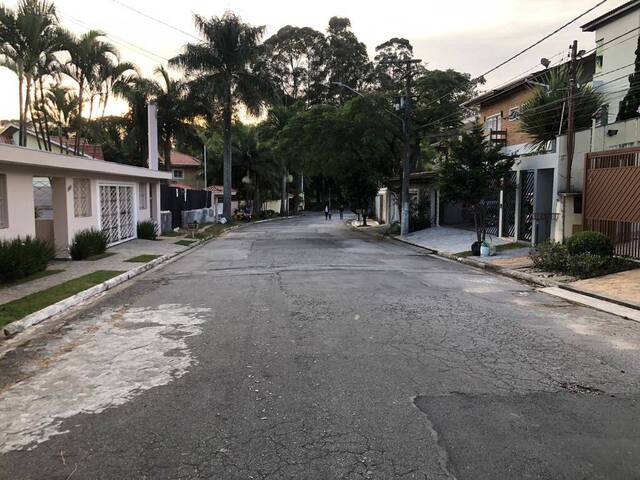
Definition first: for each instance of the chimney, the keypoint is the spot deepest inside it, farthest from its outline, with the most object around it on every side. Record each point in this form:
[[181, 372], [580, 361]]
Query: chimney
[[152, 121]]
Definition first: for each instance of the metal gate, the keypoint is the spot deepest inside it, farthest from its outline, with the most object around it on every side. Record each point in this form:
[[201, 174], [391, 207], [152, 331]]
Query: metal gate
[[612, 197], [117, 218], [509, 206], [526, 204]]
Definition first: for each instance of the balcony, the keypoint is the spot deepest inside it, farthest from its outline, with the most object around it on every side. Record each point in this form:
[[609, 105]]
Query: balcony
[[498, 137]]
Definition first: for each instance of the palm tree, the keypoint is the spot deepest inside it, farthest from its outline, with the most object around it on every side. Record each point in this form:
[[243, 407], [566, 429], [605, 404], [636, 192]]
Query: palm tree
[[61, 105], [172, 112], [89, 56], [28, 34], [111, 74], [224, 62]]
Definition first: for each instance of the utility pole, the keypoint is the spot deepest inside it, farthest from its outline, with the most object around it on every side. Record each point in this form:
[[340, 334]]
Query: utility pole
[[571, 108], [406, 161], [205, 166]]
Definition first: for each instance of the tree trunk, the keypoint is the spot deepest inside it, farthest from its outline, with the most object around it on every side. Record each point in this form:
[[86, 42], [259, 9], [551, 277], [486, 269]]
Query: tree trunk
[[284, 197], [45, 115], [227, 154], [23, 127], [29, 108], [364, 217], [76, 147], [257, 207], [476, 222]]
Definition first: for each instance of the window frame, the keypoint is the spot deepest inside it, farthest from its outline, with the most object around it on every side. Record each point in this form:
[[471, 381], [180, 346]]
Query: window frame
[[497, 118], [173, 173], [77, 192]]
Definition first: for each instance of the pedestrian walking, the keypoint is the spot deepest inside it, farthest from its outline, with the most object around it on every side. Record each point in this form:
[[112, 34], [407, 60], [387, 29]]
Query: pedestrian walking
[[327, 212], [341, 211]]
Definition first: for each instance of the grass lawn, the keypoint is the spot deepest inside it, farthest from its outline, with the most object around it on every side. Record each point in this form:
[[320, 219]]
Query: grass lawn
[[29, 278], [24, 306], [143, 258], [172, 234], [213, 231], [185, 243]]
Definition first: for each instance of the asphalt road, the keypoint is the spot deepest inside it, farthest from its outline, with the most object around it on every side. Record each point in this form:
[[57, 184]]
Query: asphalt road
[[299, 349]]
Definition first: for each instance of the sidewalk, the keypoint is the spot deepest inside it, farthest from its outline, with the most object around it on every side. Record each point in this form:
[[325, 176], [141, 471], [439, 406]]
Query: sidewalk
[[74, 269]]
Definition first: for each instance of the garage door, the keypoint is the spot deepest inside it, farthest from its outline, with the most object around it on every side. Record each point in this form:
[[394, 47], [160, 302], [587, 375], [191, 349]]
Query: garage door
[[117, 213]]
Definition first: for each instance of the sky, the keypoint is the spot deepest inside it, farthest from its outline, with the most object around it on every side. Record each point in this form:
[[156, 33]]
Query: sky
[[467, 35]]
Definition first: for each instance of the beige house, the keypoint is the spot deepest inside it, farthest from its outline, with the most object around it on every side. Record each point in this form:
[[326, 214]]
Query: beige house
[[82, 192]]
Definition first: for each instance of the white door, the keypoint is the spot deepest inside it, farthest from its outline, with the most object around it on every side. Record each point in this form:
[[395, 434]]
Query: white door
[[117, 218]]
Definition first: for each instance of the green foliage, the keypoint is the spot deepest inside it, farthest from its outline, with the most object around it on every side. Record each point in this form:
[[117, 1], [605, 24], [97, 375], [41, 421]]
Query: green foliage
[[550, 256], [147, 230], [583, 265], [264, 214], [631, 102], [22, 257], [540, 116], [87, 243], [594, 243], [472, 171]]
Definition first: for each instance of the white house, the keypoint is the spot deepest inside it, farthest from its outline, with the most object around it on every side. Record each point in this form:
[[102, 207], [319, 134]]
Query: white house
[[85, 193], [616, 34]]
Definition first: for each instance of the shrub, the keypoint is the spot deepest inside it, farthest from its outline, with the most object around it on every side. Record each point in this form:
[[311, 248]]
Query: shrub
[[22, 257], [590, 242], [87, 243], [264, 214], [550, 256], [585, 265], [147, 230]]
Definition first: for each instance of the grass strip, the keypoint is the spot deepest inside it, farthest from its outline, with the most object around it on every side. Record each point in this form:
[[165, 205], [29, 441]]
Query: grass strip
[[185, 243], [100, 256], [145, 258], [17, 309], [30, 278]]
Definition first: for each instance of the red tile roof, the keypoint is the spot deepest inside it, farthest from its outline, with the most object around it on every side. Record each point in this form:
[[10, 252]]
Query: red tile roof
[[219, 190], [179, 159]]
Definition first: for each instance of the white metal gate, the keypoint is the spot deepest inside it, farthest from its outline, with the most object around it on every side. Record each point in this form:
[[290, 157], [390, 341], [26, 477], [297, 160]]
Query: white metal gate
[[117, 212]]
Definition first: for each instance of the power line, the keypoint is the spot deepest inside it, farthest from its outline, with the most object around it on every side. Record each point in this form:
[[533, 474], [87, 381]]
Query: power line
[[157, 20], [542, 39]]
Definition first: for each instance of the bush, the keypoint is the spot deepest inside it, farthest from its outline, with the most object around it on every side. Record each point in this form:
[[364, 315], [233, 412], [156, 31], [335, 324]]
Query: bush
[[264, 214], [87, 243], [22, 257], [585, 265], [594, 243], [550, 256], [147, 230]]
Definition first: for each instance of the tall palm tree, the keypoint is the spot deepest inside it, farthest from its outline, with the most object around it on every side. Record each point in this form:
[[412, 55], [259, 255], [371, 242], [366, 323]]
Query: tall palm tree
[[61, 104], [89, 55], [172, 111], [111, 74], [27, 34], [224, 62]]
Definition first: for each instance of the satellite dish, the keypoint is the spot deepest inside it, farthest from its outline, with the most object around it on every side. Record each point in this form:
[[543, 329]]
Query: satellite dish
[[545, 62]]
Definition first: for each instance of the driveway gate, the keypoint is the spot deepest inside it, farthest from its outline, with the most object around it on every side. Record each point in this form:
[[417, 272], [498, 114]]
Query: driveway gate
[[526, 204], [612, 197]]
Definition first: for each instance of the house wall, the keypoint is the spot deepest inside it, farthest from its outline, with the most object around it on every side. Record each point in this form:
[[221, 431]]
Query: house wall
[[191, 176], [501, 107], [617, 55], [20, 203]]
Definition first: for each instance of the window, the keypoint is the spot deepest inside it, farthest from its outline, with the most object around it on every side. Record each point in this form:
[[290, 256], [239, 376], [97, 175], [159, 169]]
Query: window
[[599, 56], [602, 116], [577, 204], [82, 197], [178, 174], [492, 123], [4, 211], [143, 188], [514, 113]]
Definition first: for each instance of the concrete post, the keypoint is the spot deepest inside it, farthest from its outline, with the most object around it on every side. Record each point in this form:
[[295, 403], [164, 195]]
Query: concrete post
[[152, 122], [154, 188]]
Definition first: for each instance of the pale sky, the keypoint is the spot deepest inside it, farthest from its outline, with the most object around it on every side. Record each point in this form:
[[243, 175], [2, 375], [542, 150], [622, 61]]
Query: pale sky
[[467, 35]]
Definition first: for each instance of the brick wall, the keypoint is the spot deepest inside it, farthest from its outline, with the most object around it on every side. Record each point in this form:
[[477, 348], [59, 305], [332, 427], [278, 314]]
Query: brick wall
[[501, 106]]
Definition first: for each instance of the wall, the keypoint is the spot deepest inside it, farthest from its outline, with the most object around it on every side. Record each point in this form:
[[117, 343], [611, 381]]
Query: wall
[[21, 208], [501, 106], [617, 55], [191, 176]]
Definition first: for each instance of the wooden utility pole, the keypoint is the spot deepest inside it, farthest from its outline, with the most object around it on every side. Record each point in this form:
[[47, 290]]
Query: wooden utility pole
[[571, 109]]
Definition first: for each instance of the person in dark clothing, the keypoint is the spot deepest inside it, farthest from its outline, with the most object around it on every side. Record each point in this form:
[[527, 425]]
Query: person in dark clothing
[[327, 212], [341, 211]]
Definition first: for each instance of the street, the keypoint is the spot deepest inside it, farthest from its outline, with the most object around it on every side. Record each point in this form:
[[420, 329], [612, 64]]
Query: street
[[301, 349]]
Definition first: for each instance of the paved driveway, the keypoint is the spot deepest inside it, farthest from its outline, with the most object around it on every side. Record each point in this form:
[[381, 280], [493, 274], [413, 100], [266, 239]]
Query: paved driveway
[[300, 349]]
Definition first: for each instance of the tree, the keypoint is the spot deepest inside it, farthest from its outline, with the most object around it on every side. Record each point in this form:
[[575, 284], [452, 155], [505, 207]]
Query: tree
[[472, 171], [89, 56], [388, 74], [224, 64], [630, 104], [295, 60], [172, 111], [28, 34], [541, 115], [60, 104], [347, 59]]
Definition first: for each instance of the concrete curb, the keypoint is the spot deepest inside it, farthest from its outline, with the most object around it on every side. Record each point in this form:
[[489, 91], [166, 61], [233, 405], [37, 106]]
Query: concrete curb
[[598, 296], [40, 316]]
